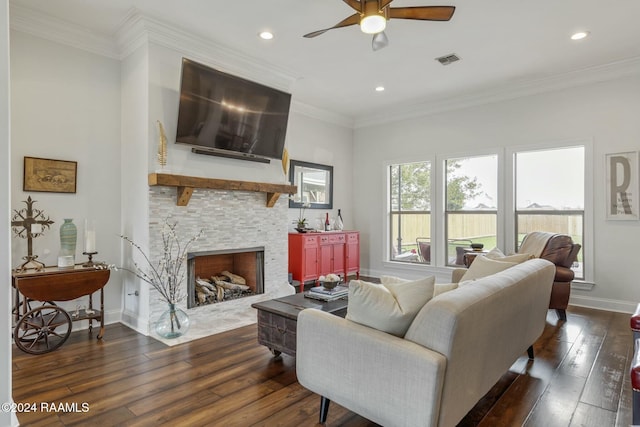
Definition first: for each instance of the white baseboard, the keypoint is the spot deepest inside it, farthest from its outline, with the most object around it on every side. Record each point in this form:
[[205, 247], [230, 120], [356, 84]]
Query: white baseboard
[[137, 324], [603, 304]]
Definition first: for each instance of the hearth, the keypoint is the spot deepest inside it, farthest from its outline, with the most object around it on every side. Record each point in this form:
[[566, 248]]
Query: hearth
[[224, 275]]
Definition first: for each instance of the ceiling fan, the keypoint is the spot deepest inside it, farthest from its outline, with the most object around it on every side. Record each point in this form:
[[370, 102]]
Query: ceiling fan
[[372, 16]]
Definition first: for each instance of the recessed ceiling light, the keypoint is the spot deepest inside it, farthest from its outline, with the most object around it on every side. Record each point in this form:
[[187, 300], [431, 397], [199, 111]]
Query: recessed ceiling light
[[379, 88], [266, 35], [579, 35]]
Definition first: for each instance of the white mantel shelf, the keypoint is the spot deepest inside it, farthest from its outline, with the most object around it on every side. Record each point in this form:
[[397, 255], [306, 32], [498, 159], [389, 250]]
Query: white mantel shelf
[[186, 184]]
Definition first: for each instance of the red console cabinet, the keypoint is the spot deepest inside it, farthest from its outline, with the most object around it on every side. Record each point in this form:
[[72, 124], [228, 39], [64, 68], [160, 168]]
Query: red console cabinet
[[352, 253], [312, 255], [332, 253], [303, 257]]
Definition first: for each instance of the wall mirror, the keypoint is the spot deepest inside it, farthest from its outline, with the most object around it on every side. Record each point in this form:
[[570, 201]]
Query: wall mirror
[[315, 185]]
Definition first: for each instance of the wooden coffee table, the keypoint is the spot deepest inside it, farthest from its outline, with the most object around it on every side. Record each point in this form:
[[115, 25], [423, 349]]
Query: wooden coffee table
[[277, 320]]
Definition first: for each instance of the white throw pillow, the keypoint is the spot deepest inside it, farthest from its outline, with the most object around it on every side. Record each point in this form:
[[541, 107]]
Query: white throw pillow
[[483, 266], [496, 254], [392, 279], [390, 307]]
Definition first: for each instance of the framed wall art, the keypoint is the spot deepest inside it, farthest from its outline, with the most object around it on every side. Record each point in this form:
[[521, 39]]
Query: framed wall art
[[622, 186], [54, 176]]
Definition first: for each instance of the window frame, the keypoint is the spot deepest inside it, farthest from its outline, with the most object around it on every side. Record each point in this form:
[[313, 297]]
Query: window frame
[[506, 207], [587, 248], [478, 153], [388, 251]]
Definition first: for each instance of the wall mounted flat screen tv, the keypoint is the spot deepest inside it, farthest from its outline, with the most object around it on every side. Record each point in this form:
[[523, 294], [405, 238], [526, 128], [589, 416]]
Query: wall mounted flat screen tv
[[225, 115]]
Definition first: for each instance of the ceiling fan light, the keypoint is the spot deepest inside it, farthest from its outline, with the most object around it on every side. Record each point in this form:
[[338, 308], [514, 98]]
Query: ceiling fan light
[[373, 24], [379, 41]]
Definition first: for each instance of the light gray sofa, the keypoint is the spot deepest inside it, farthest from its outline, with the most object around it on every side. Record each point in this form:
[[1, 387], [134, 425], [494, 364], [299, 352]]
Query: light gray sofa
[[456, 349]]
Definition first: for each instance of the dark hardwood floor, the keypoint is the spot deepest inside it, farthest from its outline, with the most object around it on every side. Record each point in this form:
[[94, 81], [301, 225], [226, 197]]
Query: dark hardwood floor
[[579, 378]]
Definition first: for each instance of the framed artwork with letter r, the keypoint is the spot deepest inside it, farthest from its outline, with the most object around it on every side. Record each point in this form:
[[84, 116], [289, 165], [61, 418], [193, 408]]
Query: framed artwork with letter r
[[622, 186]]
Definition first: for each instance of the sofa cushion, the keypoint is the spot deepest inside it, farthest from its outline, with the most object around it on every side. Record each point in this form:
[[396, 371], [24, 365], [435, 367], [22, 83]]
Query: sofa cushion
[[483, 266], [389, 307], [496, 254], [441, 288]]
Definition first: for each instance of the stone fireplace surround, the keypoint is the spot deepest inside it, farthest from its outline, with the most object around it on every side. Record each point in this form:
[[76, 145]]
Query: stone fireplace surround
[[229, 219]]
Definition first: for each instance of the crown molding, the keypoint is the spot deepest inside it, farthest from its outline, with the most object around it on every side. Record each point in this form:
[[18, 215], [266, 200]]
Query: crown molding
[[131, 34], [321, 114], [45, 26], [136, 27], [138, 30], [590, 75]]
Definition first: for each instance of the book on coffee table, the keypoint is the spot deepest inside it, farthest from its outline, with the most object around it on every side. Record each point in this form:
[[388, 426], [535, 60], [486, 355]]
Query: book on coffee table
[[321, 293]]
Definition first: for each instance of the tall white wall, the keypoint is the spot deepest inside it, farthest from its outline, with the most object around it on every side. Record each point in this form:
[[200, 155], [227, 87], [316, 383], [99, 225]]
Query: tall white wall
[[6, 418], [606, 113], [317, 141], [65, 105]]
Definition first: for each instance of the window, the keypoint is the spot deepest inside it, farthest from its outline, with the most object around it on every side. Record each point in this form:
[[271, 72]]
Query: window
[[490, 199], [410, 212], [471, 211], [550, 189]]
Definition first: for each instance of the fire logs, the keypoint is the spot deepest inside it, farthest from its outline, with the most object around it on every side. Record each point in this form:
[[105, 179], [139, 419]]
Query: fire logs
[[219, 288]]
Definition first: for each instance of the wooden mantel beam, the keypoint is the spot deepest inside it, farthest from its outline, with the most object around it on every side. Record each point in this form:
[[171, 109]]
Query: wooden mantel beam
[[186, 184]]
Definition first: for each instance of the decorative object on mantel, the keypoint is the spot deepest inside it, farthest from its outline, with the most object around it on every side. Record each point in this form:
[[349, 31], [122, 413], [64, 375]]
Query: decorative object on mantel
[[285, 164], [68, 239], [162, 146], [48, 175], [185, 185], [33, 222], [165, 275]]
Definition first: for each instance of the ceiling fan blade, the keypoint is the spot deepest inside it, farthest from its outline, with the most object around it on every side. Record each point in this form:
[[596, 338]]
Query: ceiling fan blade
[[379, 41], [425, 13], [384, 3], [354, 4], [352, 20]]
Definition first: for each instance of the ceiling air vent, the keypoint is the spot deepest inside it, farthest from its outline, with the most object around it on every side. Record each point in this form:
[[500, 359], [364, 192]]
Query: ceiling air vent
[[448, 59]]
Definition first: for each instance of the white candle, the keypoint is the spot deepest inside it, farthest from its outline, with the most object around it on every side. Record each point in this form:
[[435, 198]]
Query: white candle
[[90, 241]]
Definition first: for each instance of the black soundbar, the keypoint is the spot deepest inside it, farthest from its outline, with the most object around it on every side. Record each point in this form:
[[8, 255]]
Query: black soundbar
[[239, 156]]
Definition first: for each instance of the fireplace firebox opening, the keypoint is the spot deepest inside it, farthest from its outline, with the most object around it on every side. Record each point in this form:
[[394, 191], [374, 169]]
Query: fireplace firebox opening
[[224, 275]]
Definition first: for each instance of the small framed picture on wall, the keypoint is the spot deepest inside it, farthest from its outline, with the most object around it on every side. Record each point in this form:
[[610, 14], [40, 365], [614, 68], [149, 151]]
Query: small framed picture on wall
[[622, 186], [54, 176]]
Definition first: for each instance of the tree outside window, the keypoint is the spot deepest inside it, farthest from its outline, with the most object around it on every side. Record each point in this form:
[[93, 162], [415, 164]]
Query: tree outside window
[[471, 205]]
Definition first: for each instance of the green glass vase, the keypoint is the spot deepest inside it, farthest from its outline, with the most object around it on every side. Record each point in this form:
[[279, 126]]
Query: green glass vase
[[68, 237]]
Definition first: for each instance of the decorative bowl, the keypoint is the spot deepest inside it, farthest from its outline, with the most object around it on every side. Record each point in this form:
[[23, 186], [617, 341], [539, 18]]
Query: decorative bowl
[[477, 246], [329, 284]]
